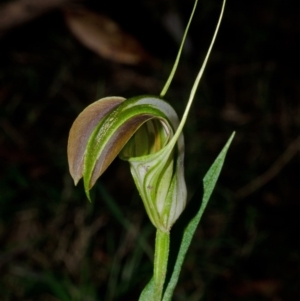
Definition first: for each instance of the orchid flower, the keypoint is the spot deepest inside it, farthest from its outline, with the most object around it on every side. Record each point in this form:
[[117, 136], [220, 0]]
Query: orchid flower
[[146, 132], [139, 129]]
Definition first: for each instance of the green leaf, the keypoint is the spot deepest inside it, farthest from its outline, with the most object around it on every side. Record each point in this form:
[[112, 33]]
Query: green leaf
[[209, 182], [148, 291]]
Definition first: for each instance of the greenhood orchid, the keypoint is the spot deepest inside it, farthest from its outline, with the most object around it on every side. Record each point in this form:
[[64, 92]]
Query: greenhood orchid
[[139, 129], [146, 132]]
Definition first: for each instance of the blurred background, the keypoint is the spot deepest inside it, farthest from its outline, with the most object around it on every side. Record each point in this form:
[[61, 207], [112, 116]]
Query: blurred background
[[58, 56]]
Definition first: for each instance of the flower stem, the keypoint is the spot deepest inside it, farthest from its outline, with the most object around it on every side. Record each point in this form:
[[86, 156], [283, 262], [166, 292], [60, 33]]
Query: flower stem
[[169, 80], [162, 245]]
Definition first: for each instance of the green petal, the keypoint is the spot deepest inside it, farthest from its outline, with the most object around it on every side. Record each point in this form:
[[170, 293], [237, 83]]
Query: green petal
[[114, 131], [160, 180], [81, 130], [140, 129]]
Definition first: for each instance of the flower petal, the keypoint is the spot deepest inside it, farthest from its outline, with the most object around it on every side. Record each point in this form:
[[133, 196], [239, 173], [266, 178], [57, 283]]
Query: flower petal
[[81, 130], [160, 180], [140, 129], [115, 130]]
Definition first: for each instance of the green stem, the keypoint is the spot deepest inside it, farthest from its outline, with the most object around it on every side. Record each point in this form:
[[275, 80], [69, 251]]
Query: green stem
[[169, 80], [162, 245], [196, 83]]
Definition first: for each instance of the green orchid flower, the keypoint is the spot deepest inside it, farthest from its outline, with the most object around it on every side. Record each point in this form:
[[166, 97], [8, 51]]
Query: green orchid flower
[[146, 132], [139, 129]]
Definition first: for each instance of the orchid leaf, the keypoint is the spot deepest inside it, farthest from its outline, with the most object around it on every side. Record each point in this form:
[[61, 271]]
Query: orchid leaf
[[148, 291], [209, 182]]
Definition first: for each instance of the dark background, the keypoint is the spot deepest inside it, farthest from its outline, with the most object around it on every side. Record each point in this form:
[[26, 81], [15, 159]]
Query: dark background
[[54, 245]]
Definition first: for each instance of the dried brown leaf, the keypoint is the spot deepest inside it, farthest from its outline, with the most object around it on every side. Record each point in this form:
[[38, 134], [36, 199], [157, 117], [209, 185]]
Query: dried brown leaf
[[103, 36], [14, 13]]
